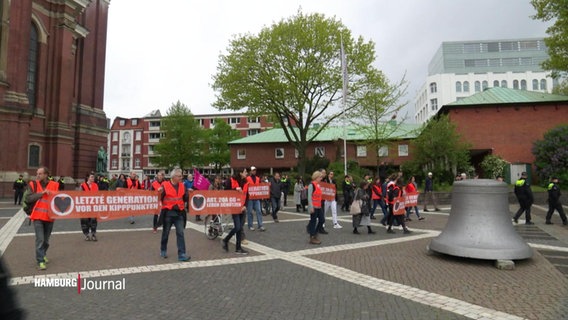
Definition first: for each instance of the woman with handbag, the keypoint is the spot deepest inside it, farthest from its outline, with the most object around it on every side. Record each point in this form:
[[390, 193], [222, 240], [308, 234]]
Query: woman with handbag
[[360, 208]]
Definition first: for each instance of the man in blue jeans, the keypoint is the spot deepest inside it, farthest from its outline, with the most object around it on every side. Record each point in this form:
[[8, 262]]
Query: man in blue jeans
[[254, 180], [174, 203], [276, 189]]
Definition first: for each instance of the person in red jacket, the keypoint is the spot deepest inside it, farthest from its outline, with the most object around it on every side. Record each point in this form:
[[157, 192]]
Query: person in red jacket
[[89, 225], [35, 196], [156, 184], [411, 188], [132, 182]]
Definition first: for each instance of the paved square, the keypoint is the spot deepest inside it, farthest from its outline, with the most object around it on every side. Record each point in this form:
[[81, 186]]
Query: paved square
[[366, 276]]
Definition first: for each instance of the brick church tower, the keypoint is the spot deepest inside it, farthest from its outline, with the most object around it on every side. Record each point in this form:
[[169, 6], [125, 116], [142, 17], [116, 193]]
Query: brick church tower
[[52, 63]]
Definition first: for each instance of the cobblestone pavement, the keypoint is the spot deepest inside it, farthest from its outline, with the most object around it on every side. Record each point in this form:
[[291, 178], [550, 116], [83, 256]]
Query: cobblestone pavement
[[366, 276]]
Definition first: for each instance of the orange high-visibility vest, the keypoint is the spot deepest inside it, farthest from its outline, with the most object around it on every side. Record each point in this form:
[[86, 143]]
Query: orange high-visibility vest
[[173, 197], [41, 207], [85, 186], [316, 196]]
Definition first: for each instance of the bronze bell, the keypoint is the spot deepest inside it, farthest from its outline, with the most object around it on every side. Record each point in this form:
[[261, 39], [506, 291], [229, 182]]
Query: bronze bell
[[479, 225]]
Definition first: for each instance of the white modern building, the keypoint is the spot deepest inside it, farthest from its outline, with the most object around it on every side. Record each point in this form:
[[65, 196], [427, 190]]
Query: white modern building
[[461, 69]]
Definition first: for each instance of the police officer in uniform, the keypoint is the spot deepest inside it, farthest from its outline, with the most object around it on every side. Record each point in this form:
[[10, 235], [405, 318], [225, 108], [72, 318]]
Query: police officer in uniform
[[554, 202], [525, 197], [19, 186]]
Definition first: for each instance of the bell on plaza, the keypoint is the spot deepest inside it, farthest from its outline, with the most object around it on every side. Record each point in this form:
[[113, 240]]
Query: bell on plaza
[[479, 225]]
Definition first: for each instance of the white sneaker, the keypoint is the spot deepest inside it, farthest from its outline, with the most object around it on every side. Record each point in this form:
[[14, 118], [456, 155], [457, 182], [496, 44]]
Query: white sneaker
[[337, 226]]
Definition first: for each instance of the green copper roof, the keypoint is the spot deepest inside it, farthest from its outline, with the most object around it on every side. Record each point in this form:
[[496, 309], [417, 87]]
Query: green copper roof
[[498, 95], [403, 131]]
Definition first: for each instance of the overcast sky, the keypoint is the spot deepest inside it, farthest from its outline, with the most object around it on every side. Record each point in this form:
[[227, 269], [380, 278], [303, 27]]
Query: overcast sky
[[159, 52]]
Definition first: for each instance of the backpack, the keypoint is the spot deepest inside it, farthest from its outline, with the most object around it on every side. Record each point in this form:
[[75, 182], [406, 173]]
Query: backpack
[[28, 208]]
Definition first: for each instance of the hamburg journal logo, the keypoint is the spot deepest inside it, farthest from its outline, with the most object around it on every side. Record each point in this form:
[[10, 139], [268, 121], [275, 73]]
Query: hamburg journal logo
[[81, 284]]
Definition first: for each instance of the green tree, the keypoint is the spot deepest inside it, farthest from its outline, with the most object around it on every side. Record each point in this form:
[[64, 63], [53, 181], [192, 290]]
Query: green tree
[[439, 148], [292, 71], [551, 155], [183, 141], [376, 115], [493, 166], [218, 139], [557, 40]]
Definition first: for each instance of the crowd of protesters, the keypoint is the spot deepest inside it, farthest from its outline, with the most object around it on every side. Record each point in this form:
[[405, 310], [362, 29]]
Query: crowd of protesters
[[364, 200]]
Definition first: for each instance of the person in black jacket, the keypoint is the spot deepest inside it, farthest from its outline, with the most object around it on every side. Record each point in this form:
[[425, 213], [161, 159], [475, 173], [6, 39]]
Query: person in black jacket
[[554, 202], [525, 197], [19, 186]]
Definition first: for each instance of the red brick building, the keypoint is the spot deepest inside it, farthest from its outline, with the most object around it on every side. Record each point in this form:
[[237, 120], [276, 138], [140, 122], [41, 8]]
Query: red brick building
[[270, 151], [506, 122], [131, 141], [52, 61]]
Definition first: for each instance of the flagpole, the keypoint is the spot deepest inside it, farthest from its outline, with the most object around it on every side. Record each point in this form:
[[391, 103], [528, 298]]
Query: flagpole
[[344, 103]]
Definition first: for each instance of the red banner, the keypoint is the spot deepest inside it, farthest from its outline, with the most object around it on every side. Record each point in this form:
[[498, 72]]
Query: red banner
[[205, 202], [327, 191], [103, 205], [411, 199], [398, 207], [262, 191]]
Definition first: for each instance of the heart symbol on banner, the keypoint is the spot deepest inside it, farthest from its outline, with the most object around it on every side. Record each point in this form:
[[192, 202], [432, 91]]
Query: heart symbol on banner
[[198, 201], [62, 203]]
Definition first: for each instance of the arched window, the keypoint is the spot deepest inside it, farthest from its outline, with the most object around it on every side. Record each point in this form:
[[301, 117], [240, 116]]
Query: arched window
[[477, 86], [466, 86], [503, 83], [515, 84], [484, 85], [31, 82], [535, 84], [433, 87], [523, 84], [495, 83], [458, 86], [543, 84]]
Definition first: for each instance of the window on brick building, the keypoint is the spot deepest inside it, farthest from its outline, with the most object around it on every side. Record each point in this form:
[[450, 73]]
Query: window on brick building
[[114, 164], [33, 155], [115, 136], [319, 152], [137, 149], [403, 150], [384, 151], [241, 154], [279, 153], [361, 151], [138, 135], [33, 53], [134, 122], [137, 163], [115, 149]]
